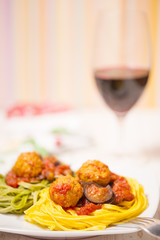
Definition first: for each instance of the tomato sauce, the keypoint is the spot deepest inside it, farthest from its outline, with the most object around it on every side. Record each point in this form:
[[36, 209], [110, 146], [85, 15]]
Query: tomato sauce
[[88, 208], [121, 189], [48, 165], [11, 179], [62, 170]]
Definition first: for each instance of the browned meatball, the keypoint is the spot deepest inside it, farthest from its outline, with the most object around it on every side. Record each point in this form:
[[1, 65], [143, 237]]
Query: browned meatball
[[94, 171], [66, 191], [28, 165]]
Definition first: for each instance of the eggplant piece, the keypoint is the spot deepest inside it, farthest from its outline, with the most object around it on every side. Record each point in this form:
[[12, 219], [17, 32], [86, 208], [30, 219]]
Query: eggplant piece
[[82, 184], [57, 163], [98, 194], [82, 201]]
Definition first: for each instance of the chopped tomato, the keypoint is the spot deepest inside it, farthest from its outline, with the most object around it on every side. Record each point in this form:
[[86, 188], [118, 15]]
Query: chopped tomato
[[62, 170], [88, 208], [121, 189], [11, 179]]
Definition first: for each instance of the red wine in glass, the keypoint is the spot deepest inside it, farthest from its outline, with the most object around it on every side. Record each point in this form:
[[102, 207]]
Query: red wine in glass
[[121, 87]]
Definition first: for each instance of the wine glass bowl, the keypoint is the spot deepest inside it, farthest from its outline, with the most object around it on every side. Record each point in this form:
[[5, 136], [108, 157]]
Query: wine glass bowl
[[121, 87], [122, 58]]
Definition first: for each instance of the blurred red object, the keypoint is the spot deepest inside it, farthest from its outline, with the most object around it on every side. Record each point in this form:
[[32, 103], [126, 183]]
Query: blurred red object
[[23, 110]]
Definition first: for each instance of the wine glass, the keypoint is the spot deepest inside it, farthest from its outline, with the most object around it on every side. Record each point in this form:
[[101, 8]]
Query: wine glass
[[122, 58]]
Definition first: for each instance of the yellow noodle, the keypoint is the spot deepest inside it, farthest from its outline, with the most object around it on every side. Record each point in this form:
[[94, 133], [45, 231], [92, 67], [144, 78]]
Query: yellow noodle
[[51, 215]]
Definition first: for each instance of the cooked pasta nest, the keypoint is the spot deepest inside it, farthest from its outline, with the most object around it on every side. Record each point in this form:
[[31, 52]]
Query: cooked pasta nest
[[50, 215]]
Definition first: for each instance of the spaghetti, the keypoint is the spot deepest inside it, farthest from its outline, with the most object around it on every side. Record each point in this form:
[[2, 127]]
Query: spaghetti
[[48, 214], [17, 200]]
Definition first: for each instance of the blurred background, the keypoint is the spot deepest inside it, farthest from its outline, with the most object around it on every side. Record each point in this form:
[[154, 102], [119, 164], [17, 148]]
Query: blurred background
[[46, 51]]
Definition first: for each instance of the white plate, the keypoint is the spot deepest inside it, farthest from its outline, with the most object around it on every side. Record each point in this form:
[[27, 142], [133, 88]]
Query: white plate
[[17, 224]]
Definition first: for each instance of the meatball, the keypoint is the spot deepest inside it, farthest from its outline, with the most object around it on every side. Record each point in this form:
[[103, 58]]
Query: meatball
[[28, 165], [94, 171], [66, 191]]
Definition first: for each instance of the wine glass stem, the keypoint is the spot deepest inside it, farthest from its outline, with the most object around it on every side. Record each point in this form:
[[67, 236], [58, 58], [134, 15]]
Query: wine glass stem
[[121, 135]]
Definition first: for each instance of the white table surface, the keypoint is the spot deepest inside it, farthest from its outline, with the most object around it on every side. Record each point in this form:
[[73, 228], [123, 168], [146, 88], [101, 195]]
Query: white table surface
[[140, 138]]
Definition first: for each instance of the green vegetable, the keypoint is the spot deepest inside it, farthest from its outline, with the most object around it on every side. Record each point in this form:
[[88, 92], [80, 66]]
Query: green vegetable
[[17, 200], [60, 131]]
